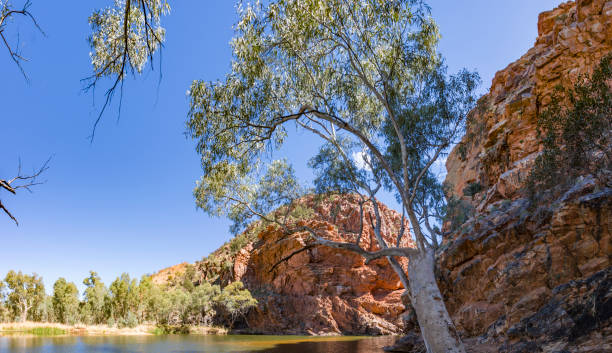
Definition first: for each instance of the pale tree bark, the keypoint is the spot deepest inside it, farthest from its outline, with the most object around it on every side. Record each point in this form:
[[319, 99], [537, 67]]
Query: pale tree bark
[[24, 310], [437, 328]]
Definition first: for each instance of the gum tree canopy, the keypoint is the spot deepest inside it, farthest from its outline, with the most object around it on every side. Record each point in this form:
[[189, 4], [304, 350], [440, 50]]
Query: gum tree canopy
[[365, 78]]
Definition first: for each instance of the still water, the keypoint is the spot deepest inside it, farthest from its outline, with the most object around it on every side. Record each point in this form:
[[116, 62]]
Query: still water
[[193, 344]]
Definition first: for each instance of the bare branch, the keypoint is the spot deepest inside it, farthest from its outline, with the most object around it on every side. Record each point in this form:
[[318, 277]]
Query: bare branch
[[21, 181], [5, 14]]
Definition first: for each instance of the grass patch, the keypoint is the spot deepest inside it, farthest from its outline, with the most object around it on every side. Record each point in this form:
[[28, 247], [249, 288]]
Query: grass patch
[[170, 330], [46, 331]]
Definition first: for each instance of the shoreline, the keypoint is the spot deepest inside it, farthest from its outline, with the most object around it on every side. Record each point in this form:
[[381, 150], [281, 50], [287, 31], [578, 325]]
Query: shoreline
[[51, 329]]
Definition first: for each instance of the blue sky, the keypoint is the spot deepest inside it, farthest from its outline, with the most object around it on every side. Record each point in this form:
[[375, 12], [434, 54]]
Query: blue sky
[[124, 203]]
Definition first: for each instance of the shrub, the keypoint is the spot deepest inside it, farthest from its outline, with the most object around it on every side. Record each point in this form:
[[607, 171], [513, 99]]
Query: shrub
[[472, 189], [458, 211], [576, 123], [234, 302], [111, 322]]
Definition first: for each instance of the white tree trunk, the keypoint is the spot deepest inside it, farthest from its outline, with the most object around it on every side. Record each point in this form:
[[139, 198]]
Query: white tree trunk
[[437, 328], [24, 311]]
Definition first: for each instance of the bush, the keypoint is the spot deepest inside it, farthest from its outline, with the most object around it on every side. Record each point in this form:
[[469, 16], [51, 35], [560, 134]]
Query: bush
[[472, 189], [111, 322], [234, 302], [130, 320], [576, 124]]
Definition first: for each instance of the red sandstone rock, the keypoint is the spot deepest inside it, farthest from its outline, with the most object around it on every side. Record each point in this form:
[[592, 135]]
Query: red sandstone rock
[[323, 290], [506, 273]]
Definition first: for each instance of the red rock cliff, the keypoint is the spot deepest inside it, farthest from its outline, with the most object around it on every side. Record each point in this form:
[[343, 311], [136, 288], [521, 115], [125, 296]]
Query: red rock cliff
[[532, 281], [323, 290]]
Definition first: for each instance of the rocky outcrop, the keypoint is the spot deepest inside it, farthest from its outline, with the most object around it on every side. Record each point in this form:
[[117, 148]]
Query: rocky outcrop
[[315, 290], [520, 278], [168, 274]]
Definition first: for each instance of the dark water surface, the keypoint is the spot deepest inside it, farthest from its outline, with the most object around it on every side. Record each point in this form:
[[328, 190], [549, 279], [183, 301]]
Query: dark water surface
[[193, 344]]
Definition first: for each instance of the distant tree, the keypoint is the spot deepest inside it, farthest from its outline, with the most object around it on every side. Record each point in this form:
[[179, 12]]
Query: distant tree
[[94, 307], [43, 312], [123, 296], [203, 301], [145, 293], [24, 293], [363, 76], [235, 301], [65, 301], [189, 277], [177, 307], [4, 313]]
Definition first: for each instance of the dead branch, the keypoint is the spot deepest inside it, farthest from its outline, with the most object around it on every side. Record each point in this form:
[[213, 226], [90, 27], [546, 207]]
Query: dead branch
[[21, 181], [6, 13]]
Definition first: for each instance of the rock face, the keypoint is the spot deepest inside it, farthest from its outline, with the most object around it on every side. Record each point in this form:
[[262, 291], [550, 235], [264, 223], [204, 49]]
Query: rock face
[[322, 290], [501, 141], [168, 274], [531, 280]]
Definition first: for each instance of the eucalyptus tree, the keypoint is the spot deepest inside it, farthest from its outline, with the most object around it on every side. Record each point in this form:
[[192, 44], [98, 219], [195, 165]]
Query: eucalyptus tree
[[24, 292], [65, 301], [366, 79], [95, 299], [123, 296], [3, 309]]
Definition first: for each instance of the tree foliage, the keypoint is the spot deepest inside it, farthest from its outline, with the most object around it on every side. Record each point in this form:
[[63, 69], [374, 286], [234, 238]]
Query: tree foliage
[[94, 307], [365, 77], [127, 302], [124, 38]]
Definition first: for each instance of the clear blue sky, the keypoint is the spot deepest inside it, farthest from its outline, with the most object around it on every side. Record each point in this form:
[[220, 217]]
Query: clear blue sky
[[124, 203]]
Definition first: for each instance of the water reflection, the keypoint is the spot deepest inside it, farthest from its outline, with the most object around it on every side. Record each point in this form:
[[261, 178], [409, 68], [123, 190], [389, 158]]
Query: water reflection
[[192, 344]]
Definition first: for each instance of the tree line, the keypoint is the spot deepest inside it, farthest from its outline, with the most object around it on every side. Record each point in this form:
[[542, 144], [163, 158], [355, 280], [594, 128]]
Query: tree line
[[127, 302]]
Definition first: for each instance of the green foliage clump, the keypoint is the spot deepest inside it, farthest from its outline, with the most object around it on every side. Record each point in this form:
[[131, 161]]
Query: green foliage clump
[[573, 128], [47, 331], [25, 292], [472, 189], [130, 320], [235, 301], [65, 301]]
